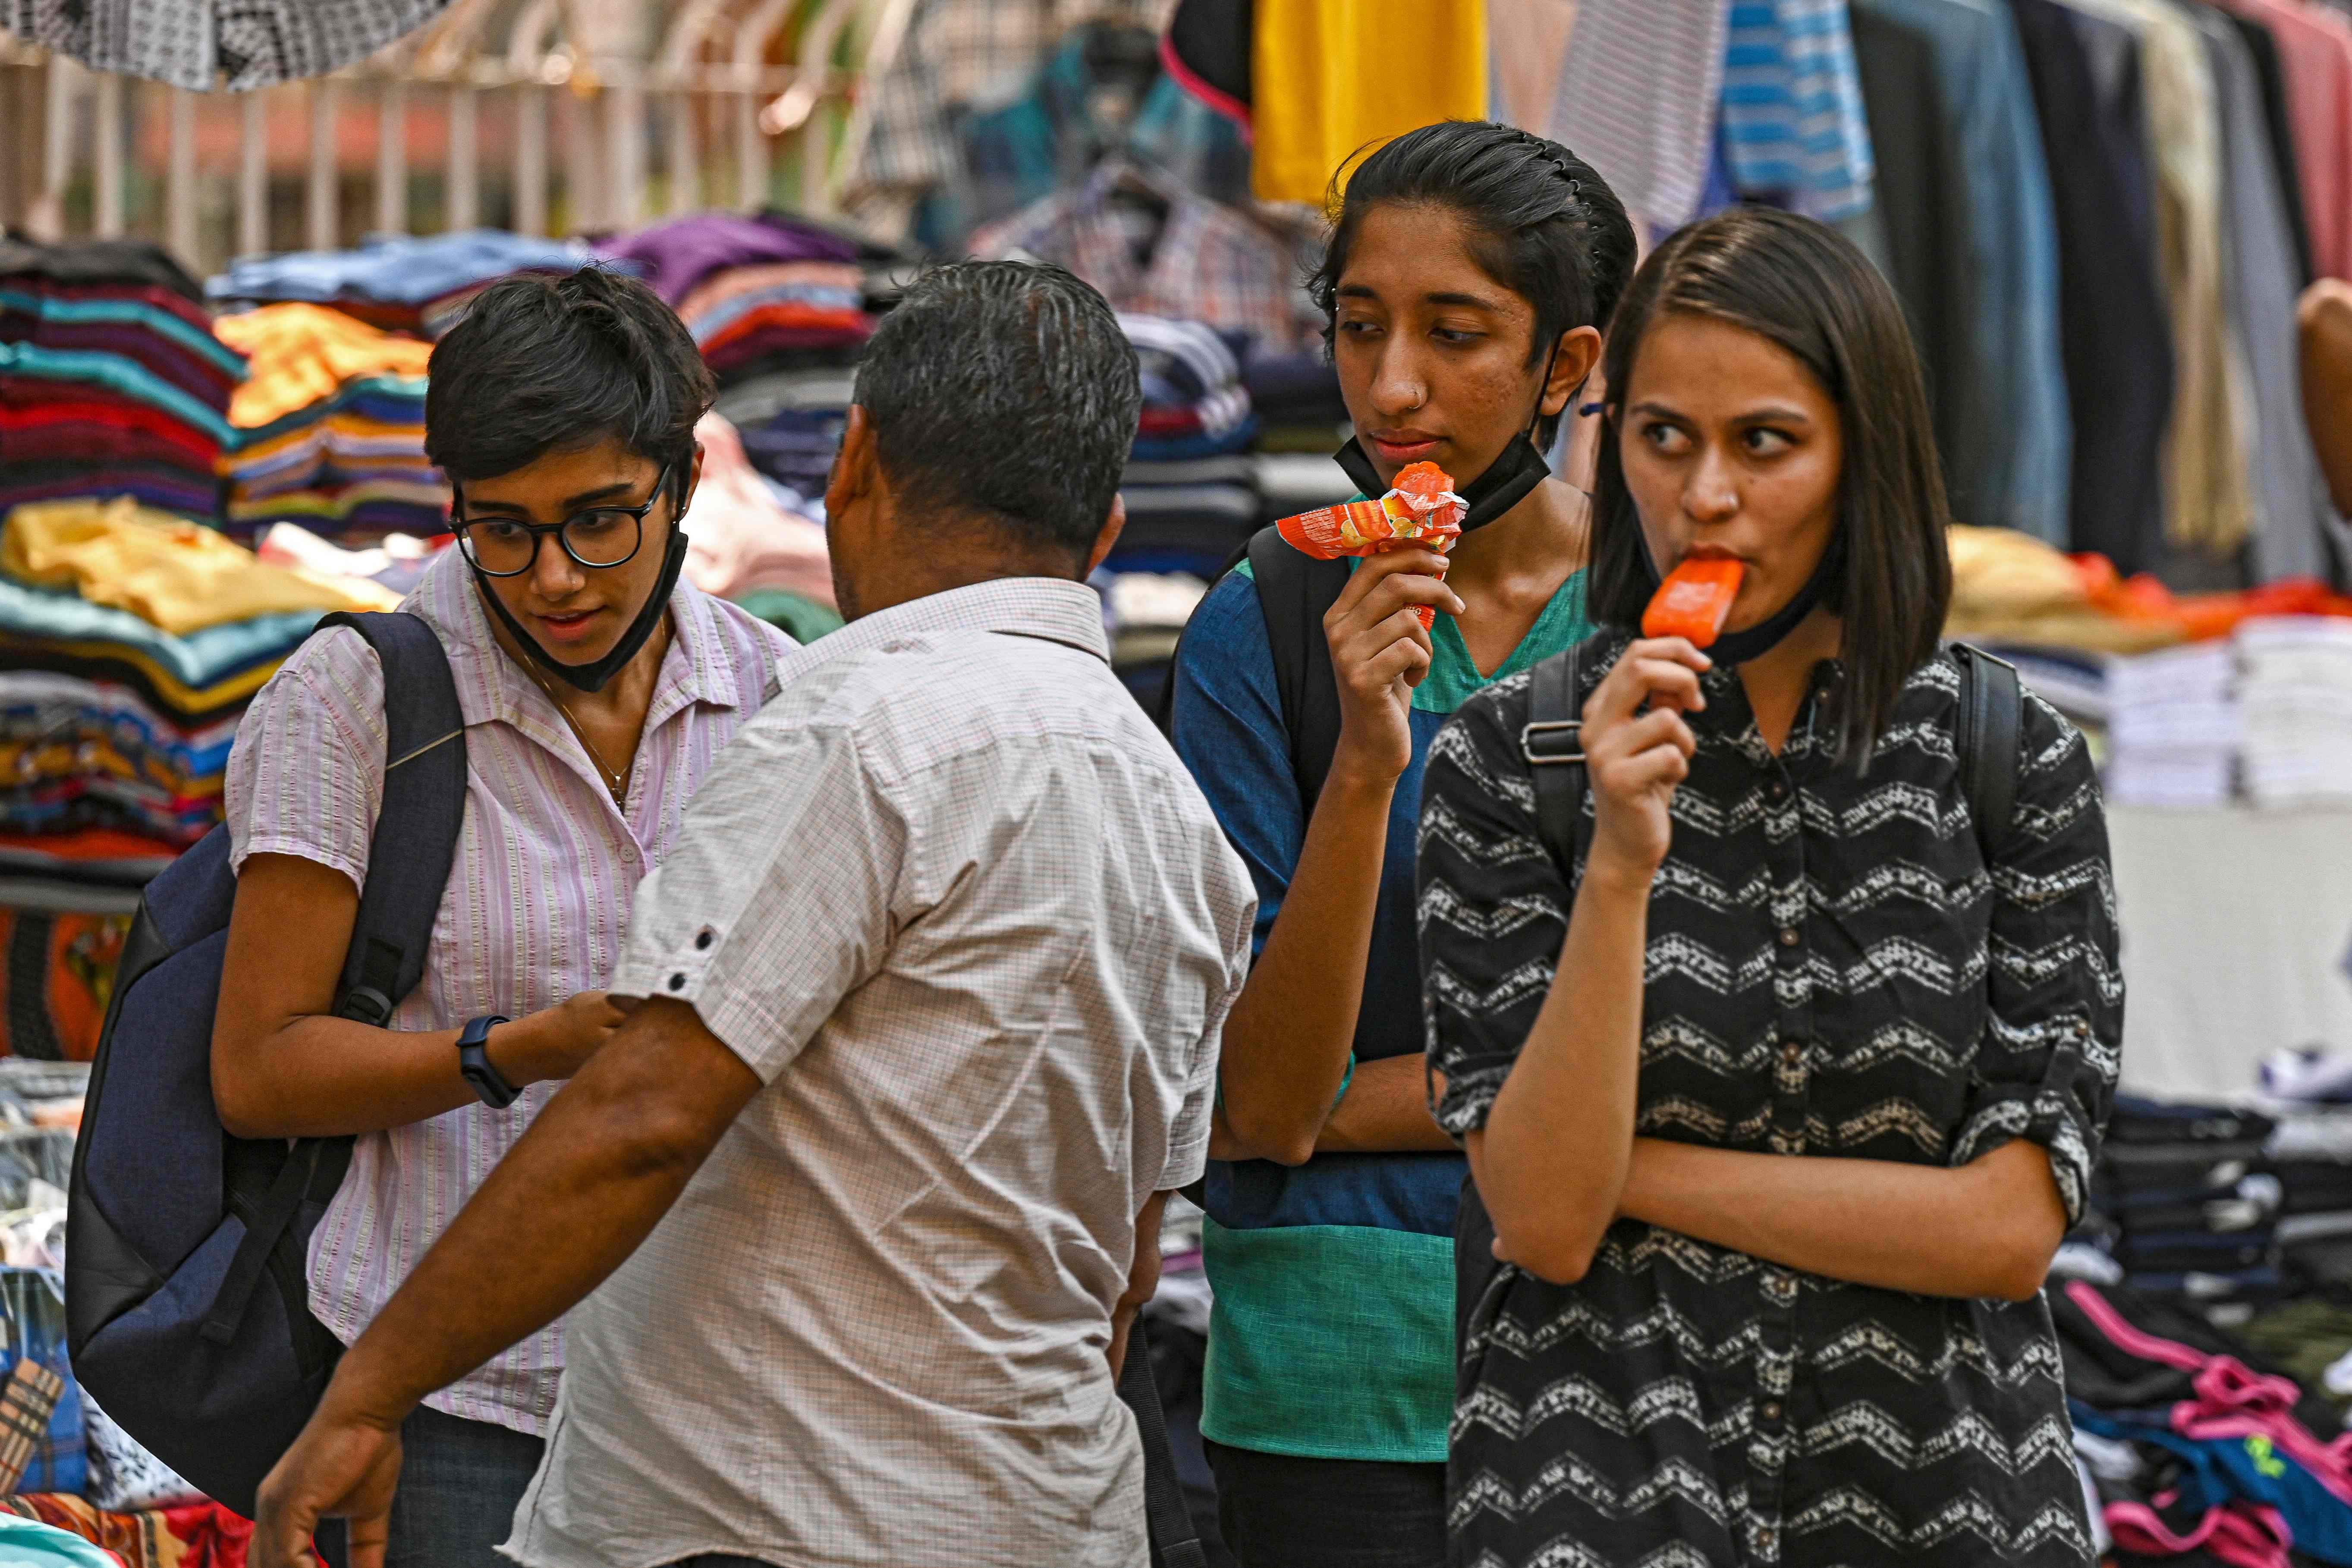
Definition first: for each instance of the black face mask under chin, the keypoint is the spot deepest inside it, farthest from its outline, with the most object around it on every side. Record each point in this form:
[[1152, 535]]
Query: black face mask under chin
[[1755, 641], [594, 677], [1509, 479]]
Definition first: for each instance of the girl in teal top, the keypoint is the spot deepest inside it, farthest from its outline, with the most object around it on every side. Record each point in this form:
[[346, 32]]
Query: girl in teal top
[[1466, 283]]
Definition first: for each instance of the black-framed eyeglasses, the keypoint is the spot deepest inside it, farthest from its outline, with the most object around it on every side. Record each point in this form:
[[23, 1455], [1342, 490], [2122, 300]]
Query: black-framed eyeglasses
[[599, 537]]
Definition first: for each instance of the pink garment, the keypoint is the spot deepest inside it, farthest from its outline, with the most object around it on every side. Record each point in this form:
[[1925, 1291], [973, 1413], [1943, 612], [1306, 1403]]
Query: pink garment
[[739, 537], [2241, 1535], [2231, 1400], [2316, 53]]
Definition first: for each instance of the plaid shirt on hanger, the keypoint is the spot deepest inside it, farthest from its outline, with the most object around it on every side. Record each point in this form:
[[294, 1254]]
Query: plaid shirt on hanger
[[1209, 263]]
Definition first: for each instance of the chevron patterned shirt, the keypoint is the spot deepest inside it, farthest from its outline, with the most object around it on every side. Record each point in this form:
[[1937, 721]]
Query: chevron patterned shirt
[[1833, 970]]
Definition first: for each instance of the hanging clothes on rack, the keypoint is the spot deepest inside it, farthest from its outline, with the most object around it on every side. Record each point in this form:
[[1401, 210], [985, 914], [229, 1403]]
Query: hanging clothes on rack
[[2314, 53], [2262, 277], [2278, 131], [1331, 78], [953, 54], [1793, 128], [2208, 503], [1155, 248], [1101, 91], [2002, 411], [2114, 333], [1653, 146]]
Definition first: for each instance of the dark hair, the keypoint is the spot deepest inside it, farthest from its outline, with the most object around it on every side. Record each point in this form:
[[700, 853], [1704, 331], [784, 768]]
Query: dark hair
[[1807, 288], [541, 364], [1005, 391], [1548, 227]]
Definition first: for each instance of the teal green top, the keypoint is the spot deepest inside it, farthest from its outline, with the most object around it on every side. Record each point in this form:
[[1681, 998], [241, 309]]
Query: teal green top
[[1332, 1335]]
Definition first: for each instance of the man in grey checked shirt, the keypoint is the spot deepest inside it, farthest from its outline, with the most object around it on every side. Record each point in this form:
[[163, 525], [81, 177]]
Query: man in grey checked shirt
[[868, 1187]]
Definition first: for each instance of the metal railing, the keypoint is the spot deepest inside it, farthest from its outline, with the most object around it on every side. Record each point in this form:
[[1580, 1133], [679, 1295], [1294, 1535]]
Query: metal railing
[[609, 104]]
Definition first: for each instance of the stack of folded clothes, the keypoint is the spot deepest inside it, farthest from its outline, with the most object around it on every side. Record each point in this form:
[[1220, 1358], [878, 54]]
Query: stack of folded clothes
[[394, 282], [330, 426], [2308, 1096], [778, 306], [1191, 484], [2295, 705], [130, 641], [112, 380], [1296, 396], [777, 315], [2195, 1445], [2193, 1199], [760, 293]]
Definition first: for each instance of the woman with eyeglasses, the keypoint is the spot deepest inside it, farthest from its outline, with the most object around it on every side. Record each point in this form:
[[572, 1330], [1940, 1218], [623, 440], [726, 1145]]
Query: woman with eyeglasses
[[597, 687]]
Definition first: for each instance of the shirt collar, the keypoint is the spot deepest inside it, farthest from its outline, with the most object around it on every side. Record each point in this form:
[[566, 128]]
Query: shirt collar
[[490, 686], [1054, 608]]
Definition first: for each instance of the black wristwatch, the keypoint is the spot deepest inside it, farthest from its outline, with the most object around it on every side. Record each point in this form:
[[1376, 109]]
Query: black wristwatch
[[474, 1062]]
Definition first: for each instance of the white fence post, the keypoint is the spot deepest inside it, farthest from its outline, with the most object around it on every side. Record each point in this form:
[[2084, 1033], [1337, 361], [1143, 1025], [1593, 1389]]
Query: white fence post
[[180, 198], [392, 158], [108, 152], [326, 97], [253, 177], [465, 202], [531, 159]]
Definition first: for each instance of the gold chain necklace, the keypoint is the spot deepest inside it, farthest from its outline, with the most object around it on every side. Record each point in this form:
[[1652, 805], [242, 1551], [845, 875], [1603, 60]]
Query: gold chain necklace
[[616, 780]]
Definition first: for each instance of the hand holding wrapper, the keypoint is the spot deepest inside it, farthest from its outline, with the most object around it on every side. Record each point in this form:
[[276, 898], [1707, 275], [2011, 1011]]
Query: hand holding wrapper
[[1421, 510]]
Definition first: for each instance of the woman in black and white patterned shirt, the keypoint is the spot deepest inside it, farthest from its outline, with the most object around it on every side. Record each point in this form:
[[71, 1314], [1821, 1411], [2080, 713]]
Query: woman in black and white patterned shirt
[[1776, 1169]]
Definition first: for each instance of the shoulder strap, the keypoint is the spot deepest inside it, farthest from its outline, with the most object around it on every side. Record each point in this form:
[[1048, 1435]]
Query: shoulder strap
[[1993, 718], [416, 827], [409, 857], [1175, 1543], [1293, 590], [1553, 744]]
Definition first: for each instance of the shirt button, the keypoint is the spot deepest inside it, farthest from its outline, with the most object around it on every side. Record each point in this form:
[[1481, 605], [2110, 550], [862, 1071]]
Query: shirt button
[[1771, 1411], [1793, 1052], [1764, 1540], [678, 982], [1788, 937], [1777, 791], [704, 937]]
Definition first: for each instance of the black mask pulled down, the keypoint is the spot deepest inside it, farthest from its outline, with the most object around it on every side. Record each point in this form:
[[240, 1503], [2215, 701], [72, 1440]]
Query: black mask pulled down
[[1740, 648], [595, 676], [1507, 482]]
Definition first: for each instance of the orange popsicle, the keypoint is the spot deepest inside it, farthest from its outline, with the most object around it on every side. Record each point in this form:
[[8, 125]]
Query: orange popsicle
[[1694, 600]]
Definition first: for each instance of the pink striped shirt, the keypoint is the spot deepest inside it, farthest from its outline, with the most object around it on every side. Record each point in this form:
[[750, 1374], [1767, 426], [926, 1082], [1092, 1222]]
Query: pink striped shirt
[[536, 911]]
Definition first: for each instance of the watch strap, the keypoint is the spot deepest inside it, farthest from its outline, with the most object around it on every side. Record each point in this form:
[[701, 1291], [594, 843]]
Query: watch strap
[[490, 1085]]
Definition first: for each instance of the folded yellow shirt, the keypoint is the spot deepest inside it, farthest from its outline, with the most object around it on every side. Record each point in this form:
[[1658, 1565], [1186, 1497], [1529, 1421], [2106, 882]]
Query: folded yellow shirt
[[300, 353], [176, 575]]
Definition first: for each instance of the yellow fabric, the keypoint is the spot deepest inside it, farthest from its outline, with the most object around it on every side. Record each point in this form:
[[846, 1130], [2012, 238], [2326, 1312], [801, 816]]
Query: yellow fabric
[[172, 573], [1329, 76], [300, 353]]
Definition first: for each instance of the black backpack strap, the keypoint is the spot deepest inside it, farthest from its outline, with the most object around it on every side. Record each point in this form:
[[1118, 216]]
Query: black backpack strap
[[409, 857], [1293, 590], [1175, 1543], [417, 822], [1553, 744], [1992, 721]]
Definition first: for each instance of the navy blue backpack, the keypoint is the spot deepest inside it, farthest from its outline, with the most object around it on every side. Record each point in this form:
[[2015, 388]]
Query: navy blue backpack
[[186, 1306]]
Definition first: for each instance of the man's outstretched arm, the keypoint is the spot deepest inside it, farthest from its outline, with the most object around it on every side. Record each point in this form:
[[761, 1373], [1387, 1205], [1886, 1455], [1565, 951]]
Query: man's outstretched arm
[[574, 1197]]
